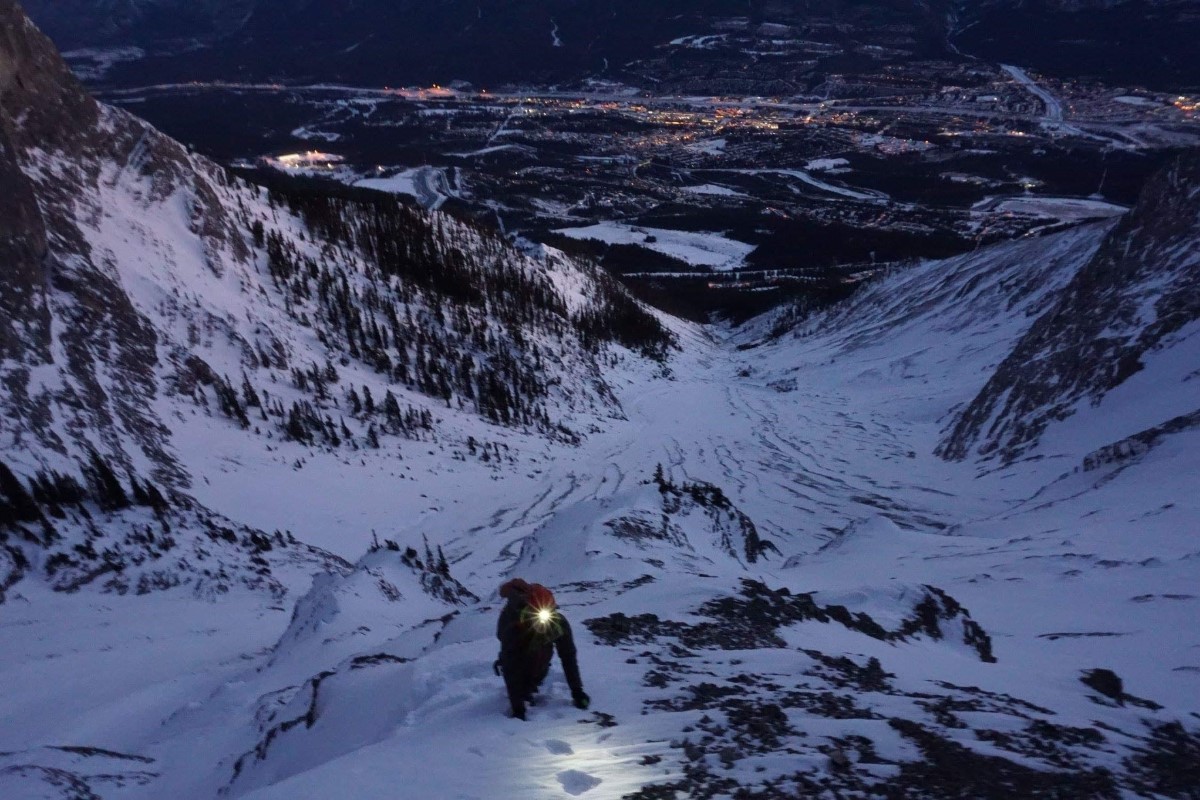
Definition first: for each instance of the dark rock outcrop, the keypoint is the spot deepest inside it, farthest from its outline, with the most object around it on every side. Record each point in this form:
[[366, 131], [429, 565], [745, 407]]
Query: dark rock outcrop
[[1131, 448], [753, 619], [55, 143], [39, 102]]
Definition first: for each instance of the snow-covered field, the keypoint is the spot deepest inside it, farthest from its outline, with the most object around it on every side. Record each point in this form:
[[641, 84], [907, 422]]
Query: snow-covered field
[[712, 250], [428, 185], [713, 189], [808, 179], [827, 165]]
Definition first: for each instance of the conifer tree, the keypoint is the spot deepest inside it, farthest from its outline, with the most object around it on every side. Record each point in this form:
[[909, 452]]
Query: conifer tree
[[16, 504], [106, 488]]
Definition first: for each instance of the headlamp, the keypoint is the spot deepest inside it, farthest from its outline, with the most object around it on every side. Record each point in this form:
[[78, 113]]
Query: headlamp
[[543, 616]]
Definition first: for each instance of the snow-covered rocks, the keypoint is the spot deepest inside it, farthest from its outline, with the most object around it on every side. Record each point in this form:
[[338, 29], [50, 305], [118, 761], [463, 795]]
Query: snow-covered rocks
[[335, 618], [757, 616], [655, 527], [71, 772]]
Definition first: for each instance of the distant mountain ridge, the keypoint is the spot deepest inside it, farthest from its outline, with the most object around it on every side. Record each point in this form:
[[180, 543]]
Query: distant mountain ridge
[[498, 42], [403, 41], [1122, 42], [100, 22]]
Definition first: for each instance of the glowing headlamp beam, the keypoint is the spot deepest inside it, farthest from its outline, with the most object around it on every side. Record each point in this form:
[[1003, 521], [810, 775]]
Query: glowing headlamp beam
[[544, 615]]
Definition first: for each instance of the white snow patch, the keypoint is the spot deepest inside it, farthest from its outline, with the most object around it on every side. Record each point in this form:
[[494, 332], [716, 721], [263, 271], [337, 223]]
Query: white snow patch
[[713, 250], [713, 189], [1135, 100], [827, 164]]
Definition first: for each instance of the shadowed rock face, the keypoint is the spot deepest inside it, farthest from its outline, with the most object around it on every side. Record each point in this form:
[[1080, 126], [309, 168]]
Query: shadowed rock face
[[36, 87], [43, 106], [1139, 289], [55, 140], [23, 315], [36, 93]]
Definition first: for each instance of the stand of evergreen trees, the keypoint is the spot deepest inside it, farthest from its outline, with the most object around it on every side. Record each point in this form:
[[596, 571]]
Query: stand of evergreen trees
[[444, 308], [50, 493]]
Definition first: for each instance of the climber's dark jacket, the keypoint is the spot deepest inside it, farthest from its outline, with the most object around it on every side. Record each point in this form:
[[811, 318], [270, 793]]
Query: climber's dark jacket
[[527, 650]]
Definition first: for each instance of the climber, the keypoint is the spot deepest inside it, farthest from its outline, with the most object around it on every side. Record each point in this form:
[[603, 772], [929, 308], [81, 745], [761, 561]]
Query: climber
[[530, 628]]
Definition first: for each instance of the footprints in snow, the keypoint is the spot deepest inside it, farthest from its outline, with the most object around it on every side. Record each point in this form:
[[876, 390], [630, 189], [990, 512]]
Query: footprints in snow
[[573, 781], [576, 783]]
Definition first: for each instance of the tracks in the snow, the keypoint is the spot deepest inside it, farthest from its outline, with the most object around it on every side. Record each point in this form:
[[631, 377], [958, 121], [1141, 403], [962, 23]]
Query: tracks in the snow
[[803, 464]]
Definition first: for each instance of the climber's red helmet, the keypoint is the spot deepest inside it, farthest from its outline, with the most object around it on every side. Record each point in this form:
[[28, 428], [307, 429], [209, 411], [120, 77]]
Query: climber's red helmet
[[540, 598]]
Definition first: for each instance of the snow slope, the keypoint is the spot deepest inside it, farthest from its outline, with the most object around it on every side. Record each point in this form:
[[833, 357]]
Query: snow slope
[[806, 600], [704, 674]]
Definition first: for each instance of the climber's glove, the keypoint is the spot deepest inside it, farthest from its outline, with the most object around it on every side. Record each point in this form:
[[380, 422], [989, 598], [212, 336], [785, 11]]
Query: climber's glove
[[582, 701]]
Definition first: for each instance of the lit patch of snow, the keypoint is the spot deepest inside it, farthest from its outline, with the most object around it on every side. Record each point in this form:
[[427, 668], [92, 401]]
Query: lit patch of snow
[[891, 145], [712, 147], [1135, 100], [312, 159]]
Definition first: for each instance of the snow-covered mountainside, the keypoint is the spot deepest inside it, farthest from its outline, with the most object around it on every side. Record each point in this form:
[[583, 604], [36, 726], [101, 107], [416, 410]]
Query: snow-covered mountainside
[[1128, 321], [777, 587], [153, 301]]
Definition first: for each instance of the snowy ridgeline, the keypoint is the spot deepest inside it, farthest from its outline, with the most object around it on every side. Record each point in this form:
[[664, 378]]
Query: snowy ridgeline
[[777, 588]]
